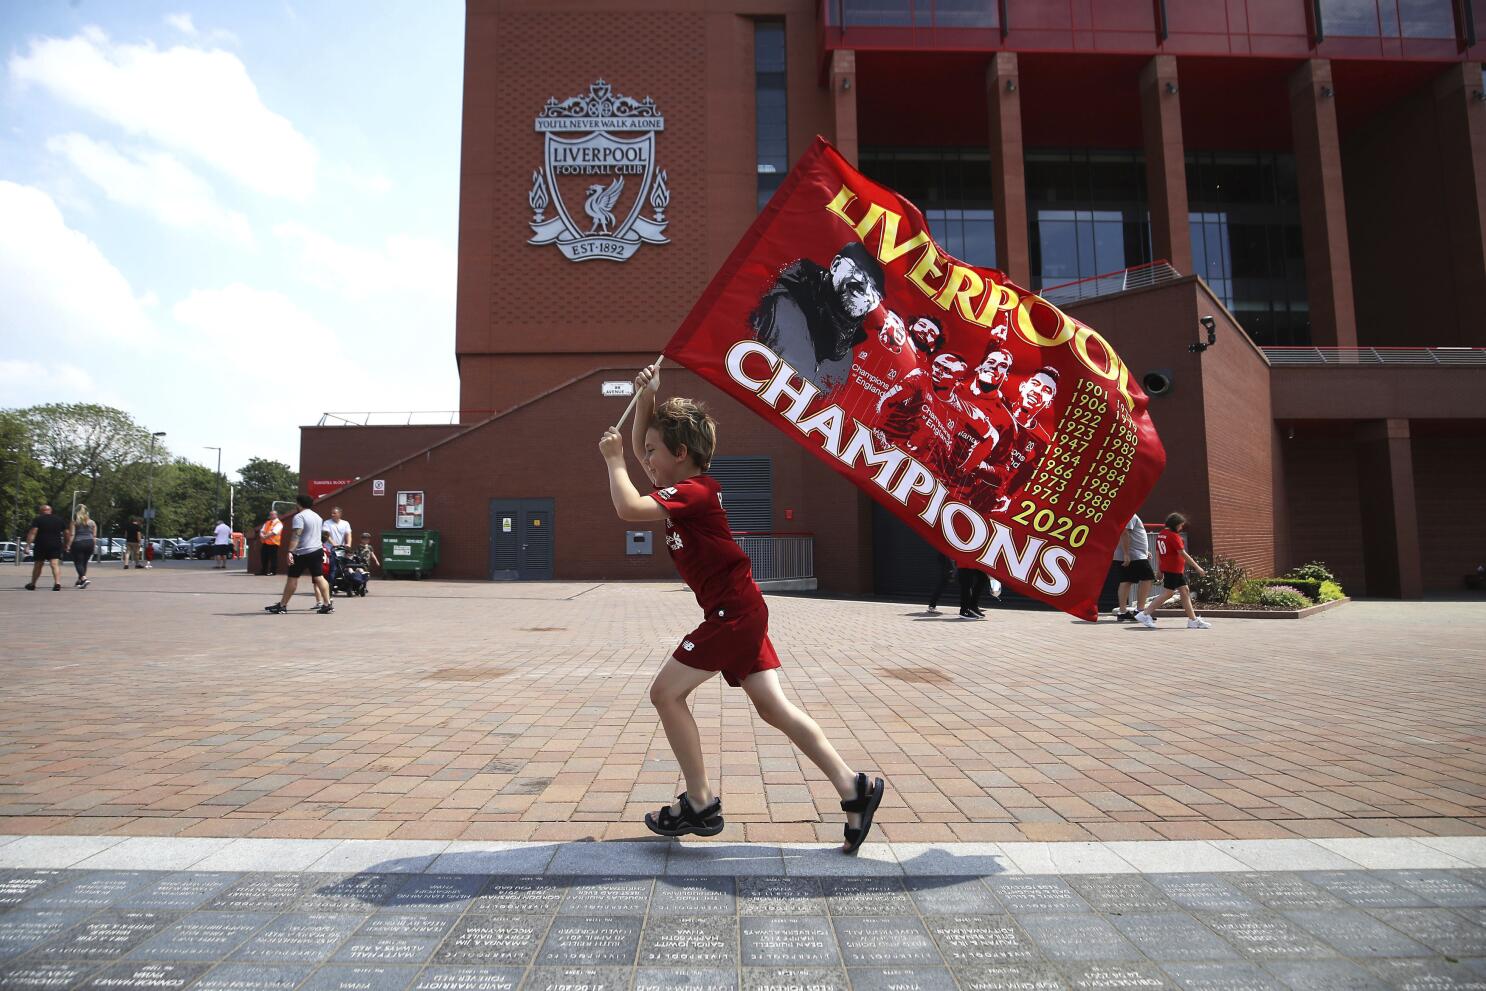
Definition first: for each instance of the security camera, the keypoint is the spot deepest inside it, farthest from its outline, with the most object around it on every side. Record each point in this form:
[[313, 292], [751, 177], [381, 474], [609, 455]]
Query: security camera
[[1211, 326]]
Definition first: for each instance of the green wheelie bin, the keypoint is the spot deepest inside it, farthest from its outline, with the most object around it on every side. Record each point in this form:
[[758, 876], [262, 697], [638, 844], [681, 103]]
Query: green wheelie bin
[[409, 552]]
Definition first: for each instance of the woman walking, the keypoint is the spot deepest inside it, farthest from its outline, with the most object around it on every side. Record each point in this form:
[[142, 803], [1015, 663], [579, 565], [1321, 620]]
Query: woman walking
[[83, 531]]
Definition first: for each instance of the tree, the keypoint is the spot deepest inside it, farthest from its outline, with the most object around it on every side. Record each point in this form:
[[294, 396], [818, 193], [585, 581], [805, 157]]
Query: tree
[[263, 482], [18, 465], [184, 496]]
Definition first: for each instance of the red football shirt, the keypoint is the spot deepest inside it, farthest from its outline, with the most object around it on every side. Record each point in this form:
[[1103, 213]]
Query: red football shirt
[[1169, 545], [702, 546], [878, 364]]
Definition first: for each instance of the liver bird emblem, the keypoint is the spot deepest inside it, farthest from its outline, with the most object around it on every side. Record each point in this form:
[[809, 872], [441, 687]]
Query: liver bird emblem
[[600, 206]]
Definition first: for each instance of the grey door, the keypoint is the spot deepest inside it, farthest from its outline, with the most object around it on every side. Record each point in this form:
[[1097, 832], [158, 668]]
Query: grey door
[[521, 540]]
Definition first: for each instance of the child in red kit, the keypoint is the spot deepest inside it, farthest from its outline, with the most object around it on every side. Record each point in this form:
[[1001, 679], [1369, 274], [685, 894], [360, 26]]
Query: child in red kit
[[1171, 548], [674, 442]]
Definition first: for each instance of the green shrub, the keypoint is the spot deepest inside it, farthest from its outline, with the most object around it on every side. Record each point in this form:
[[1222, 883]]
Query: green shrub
[[1307, 587], [1246, 593], [1282, 597], [1223, 575], [1312, 571], [1330, 592]]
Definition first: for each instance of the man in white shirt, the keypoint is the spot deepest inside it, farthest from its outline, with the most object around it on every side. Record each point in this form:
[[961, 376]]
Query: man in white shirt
[[1133, 555], [340, 530], [221, 545], [306, 556]]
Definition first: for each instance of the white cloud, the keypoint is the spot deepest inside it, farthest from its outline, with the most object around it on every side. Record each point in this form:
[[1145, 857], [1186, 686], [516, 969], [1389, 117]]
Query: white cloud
[[182, 23], [155, 182], [55, 383], [403, 264], [240, 318], [198, 102], [56, 284]]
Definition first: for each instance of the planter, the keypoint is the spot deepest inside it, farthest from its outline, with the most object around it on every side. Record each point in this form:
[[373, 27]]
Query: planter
[[1235, 612]]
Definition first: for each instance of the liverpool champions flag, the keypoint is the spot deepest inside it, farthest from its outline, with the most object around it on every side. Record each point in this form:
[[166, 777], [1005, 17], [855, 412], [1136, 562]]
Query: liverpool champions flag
[[1009, 435]]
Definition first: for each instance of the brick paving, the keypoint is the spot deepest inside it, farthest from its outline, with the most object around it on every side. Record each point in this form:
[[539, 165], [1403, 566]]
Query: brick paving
[[167, 703]]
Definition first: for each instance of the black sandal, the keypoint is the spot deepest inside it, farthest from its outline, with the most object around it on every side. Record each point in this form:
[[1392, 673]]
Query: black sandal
[[707, 822], [866, 804]]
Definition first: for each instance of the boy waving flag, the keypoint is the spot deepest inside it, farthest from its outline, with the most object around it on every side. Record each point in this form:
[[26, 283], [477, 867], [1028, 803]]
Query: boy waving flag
[[1009, 435]]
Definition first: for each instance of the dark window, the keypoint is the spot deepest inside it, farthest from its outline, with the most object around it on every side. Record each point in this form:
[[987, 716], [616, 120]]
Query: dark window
[[770, 106], [952, 186], [1246, 243], [1087, 214], [1388, 18], [747, 491]]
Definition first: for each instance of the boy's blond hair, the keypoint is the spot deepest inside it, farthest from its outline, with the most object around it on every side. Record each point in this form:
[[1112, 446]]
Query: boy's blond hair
[[686, 421]]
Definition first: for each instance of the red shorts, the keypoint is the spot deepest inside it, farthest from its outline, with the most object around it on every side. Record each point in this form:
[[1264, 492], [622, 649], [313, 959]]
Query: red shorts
[[737, 645]]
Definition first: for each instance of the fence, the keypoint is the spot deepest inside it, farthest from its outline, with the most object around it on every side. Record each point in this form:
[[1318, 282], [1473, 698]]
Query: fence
[[777, 556], [1351, 357], [1136, 277]]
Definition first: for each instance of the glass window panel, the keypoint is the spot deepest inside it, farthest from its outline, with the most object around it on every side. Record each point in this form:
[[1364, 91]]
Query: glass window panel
[[1427, 18], [770, 103], [1350, 18]]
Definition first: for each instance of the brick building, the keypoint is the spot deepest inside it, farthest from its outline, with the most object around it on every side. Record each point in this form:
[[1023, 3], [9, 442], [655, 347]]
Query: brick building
[[1310, 173]]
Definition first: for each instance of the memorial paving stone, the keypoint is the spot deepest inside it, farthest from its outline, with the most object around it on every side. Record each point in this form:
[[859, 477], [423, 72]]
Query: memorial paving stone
[[94, 889], [1222, 976], [784, 941], [179, 892], [951, 895], [1120, 894], [202, 936], [400, 938], [967, 940], [1173, 936], [299, 936], [1077, 937], [40, 976], [1357, 934], [900, 979], [794, 979], [351, 893], [1284, 892], [780, 896], [583, 940], [1039, 894], [263, 893], [136, 975], [1325, 975], [1203, 893], [591, 978], [1010, 977], [1440, 929], [1117, 977], [694, 896], [1365, 889], [708, 941], [18, 885], [866, 896], [507, 940], [882, 941], [442, 978], [520, 894], [104, 936], [436, 893], [606, 896], [22, 929], [1264, 935], [345, 977], [1476, 915], [1427, 975], [253, 977], [686, 979], [1447, 889]]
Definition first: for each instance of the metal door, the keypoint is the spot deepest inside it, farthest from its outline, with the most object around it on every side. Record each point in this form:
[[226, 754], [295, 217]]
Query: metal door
[[536, 540], [521, 539]]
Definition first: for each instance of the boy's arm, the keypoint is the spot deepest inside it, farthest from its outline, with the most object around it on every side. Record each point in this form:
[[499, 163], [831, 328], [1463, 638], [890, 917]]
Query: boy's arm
[[628, 502], [648, 382]]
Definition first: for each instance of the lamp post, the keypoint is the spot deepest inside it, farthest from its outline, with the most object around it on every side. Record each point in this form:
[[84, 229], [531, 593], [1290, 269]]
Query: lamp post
[[149, 509], [74, 505], [217, 501]]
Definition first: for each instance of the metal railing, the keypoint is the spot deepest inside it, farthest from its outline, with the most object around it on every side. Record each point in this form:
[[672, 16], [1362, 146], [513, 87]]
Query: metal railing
[[1136, 277], [400, 418], [1351, 357], [777, 556]]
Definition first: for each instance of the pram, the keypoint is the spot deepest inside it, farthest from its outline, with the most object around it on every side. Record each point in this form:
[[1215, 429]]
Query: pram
[[348, 573]]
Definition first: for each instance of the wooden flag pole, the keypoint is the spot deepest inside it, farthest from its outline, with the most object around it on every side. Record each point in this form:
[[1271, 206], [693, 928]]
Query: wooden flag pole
[[635, 398]]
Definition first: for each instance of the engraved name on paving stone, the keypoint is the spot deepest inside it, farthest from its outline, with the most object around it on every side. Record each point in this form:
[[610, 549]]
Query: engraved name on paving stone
[[1172, 936], [950, 896], [885, 940], [1450, 889], [396, 938], [22, 929], [42, 976], [21, 885], [1428, 975], [794, 979], [203, 936], [154, 976], [1324, 975], [520, 895], [699, 941], [1444, 931], [180, 892], [94, 890], [1078, 937], [1117, 977], [578, 979], [1203, 893], [262, 892], [901, 979], [355, 893], [1037, 894], [1357, 934], [591, 940], [1122, 894], [867, 896], [689, 978], [781, 942], [254, 977], [1264, 937], [105, 935], [1365, 889], [1010, 977], [780, 896], [493, 939], [299, 937], [980, 939], [607, 896], [344, 977], [1222, 976], [436, 893], [694, 896], [469, 979], [1285, 892]]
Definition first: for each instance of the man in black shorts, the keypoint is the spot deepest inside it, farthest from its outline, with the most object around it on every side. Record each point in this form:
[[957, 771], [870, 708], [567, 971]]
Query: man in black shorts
[[48, 536], [306, 557]]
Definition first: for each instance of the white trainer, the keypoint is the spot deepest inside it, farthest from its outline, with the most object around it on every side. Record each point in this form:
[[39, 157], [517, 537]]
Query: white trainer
[[1199, 624], [1146, 619]]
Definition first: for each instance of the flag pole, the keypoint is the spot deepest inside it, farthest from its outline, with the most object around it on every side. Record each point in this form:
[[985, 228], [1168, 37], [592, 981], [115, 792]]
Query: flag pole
[[635, 398]]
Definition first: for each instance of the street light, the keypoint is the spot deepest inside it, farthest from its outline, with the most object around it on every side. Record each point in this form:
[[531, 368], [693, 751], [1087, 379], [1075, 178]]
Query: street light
[[149, 509], [217, 502], [74, 505]]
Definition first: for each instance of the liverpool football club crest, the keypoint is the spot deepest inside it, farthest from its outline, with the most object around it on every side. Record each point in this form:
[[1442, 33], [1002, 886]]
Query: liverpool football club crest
[[599, 176]]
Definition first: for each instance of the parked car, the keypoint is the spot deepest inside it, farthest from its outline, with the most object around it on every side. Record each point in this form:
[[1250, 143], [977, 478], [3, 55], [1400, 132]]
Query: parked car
[[176, 549], [8, 550], [109, 548], [201, 547]]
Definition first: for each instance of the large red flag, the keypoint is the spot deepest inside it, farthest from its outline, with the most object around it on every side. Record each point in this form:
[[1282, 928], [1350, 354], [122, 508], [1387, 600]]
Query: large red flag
[[1009, 435]]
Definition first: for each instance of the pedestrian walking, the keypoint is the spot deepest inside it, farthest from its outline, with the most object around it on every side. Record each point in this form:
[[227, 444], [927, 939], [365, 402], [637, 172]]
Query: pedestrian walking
[[221, 545], [269, 535], [1133, 557], [946, 571], [674, 442], [84, 532], [48, 536], [974, 583], [1172, 548], [306, 557], [132, 531], [340, 530]]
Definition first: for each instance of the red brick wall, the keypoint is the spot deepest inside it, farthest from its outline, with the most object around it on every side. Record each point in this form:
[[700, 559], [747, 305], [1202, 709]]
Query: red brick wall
[[351, 452], [1449, 477]]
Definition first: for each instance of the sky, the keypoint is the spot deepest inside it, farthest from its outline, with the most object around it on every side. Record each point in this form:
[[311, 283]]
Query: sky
[[228, 219]]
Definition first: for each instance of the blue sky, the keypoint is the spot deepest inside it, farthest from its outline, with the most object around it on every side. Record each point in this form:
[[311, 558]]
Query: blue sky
[[229, 218]]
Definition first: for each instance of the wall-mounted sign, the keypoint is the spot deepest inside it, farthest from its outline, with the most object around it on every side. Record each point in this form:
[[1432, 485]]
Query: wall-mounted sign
[[318, 487], [613, 178], [409, 511], [379, 486], [619, 388]]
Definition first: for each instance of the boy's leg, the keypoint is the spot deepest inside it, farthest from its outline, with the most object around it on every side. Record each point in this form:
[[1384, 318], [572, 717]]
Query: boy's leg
[[1186, 594], [1144, 593], [668, 693], [774, 708]]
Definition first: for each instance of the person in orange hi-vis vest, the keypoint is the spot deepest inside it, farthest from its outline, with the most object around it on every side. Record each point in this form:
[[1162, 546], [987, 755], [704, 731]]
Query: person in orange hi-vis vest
[[269, 535]]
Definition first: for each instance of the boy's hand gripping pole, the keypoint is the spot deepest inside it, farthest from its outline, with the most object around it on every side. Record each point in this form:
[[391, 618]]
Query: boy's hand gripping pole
[[635, 398]]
